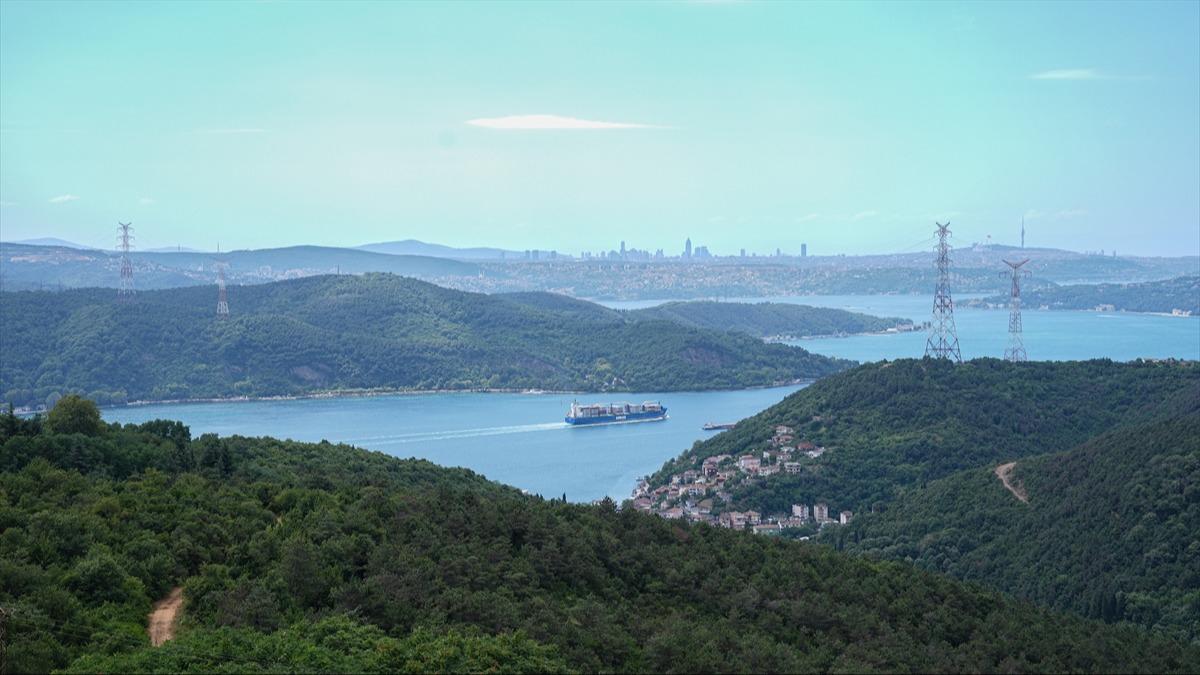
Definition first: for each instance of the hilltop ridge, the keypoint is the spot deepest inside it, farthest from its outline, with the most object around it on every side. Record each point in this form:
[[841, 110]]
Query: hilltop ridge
[[375, 331]]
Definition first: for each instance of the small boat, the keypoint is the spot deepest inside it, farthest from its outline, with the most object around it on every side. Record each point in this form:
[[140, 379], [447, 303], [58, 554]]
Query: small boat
[[713, 426]]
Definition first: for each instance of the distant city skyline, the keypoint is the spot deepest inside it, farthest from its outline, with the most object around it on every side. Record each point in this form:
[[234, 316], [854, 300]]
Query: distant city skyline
[[851, 127]]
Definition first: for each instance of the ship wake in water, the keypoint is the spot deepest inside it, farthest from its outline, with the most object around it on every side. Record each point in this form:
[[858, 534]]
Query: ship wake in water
[[447, 434]]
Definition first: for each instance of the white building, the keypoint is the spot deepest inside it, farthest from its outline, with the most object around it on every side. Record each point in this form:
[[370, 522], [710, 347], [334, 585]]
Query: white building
[[821, 512]]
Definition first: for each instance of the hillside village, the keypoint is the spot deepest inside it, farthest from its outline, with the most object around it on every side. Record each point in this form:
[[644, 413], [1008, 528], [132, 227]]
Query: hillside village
[[703, 495]]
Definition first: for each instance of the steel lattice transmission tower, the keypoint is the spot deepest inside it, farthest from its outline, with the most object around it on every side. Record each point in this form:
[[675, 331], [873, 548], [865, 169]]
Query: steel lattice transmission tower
[[222, 299], [1016, 345], [943, 336], [125, 290]]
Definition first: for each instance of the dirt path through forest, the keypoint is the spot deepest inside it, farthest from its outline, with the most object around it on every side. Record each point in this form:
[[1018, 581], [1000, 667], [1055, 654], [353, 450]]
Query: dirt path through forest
[[162, 620], [1004, 473]]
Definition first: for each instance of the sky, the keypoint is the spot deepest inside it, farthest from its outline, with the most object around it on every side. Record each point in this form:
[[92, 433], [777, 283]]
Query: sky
[[851, 127]]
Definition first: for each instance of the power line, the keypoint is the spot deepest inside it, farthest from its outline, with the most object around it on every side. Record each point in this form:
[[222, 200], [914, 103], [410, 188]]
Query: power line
[[222, 297], [943, 336], [125, 290], [1016, 345]]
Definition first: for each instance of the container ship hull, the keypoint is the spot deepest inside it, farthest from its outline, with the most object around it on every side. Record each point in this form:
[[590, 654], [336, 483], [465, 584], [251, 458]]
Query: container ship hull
[[615, 414]]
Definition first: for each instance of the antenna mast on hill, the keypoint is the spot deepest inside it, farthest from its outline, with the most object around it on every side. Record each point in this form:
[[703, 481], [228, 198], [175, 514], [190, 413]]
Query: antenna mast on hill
[[1016, 345], [943, 336], [1022, 231], [125, 290]]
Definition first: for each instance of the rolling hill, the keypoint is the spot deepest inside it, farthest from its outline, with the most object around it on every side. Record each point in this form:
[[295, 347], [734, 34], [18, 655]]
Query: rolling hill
[[357, 332], [761, 320], [1111, 528], [36, 267], [1182, 293], [893, 425], [324, 558], [769, 319], [415, 247]]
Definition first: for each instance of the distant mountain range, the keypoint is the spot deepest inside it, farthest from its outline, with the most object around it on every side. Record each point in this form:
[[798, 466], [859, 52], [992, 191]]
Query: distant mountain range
[[414, 247], [27, 267], [52, 241], [56, 263]]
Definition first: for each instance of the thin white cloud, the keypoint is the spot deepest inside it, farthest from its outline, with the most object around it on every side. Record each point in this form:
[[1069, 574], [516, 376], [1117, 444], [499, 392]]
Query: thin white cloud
[[146, 201], [62, 199], [551, 122], [865, 214], [1068, 74], [233, 130], [805, 219]]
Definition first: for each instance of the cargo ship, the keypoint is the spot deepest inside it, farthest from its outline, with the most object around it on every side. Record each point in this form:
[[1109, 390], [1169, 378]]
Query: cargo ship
[[616, 413]]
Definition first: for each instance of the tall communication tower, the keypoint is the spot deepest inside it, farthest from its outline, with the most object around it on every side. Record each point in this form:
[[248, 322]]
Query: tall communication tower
[[943, 336], [125, 290], [1016, 345], [1022, 231]]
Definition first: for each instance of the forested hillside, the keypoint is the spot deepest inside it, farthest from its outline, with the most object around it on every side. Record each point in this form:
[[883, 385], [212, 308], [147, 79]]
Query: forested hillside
[[1165, 296], [762, 320], [1111, 528], [356, 332], [888, 426], [303, 557], [769, 319]]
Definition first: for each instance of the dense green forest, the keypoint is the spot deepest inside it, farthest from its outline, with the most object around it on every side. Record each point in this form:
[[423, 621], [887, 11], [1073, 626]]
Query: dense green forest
[[1151, 296], [1111, 528], [762, 320], [356, 332], [892, 425], [321, 557], [769, 319]]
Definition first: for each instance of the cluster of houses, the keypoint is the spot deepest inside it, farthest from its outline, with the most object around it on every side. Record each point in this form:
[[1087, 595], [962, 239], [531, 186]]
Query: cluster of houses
[[700, 495]]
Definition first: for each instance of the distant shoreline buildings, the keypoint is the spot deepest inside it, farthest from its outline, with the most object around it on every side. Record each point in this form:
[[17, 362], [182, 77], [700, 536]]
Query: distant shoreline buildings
[[690, 252]]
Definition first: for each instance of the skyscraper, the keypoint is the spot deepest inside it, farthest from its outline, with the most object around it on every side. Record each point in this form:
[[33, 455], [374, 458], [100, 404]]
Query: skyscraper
[[687, 248], [803, 250], [622, 249]]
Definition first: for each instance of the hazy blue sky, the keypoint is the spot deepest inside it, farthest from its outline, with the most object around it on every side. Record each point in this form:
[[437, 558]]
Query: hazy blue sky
[[849, 126]]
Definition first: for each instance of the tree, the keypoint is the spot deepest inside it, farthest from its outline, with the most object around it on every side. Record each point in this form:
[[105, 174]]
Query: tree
[[74, 414]]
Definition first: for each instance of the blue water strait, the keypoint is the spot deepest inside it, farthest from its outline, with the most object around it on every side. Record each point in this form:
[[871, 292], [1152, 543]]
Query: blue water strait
[[518, 439], [522, 440]]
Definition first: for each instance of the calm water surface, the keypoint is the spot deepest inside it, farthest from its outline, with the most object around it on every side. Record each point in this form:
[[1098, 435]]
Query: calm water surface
[[518, 439], [1049, 335]]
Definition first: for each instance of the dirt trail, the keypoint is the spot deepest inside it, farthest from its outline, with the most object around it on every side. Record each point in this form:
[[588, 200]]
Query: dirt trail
[[162, 620], [1004, 473]]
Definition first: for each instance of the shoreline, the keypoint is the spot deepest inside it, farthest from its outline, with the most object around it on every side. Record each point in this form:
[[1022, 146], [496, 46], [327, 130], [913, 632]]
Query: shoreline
[[366, 393], [786, 339], [1091, 310]]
